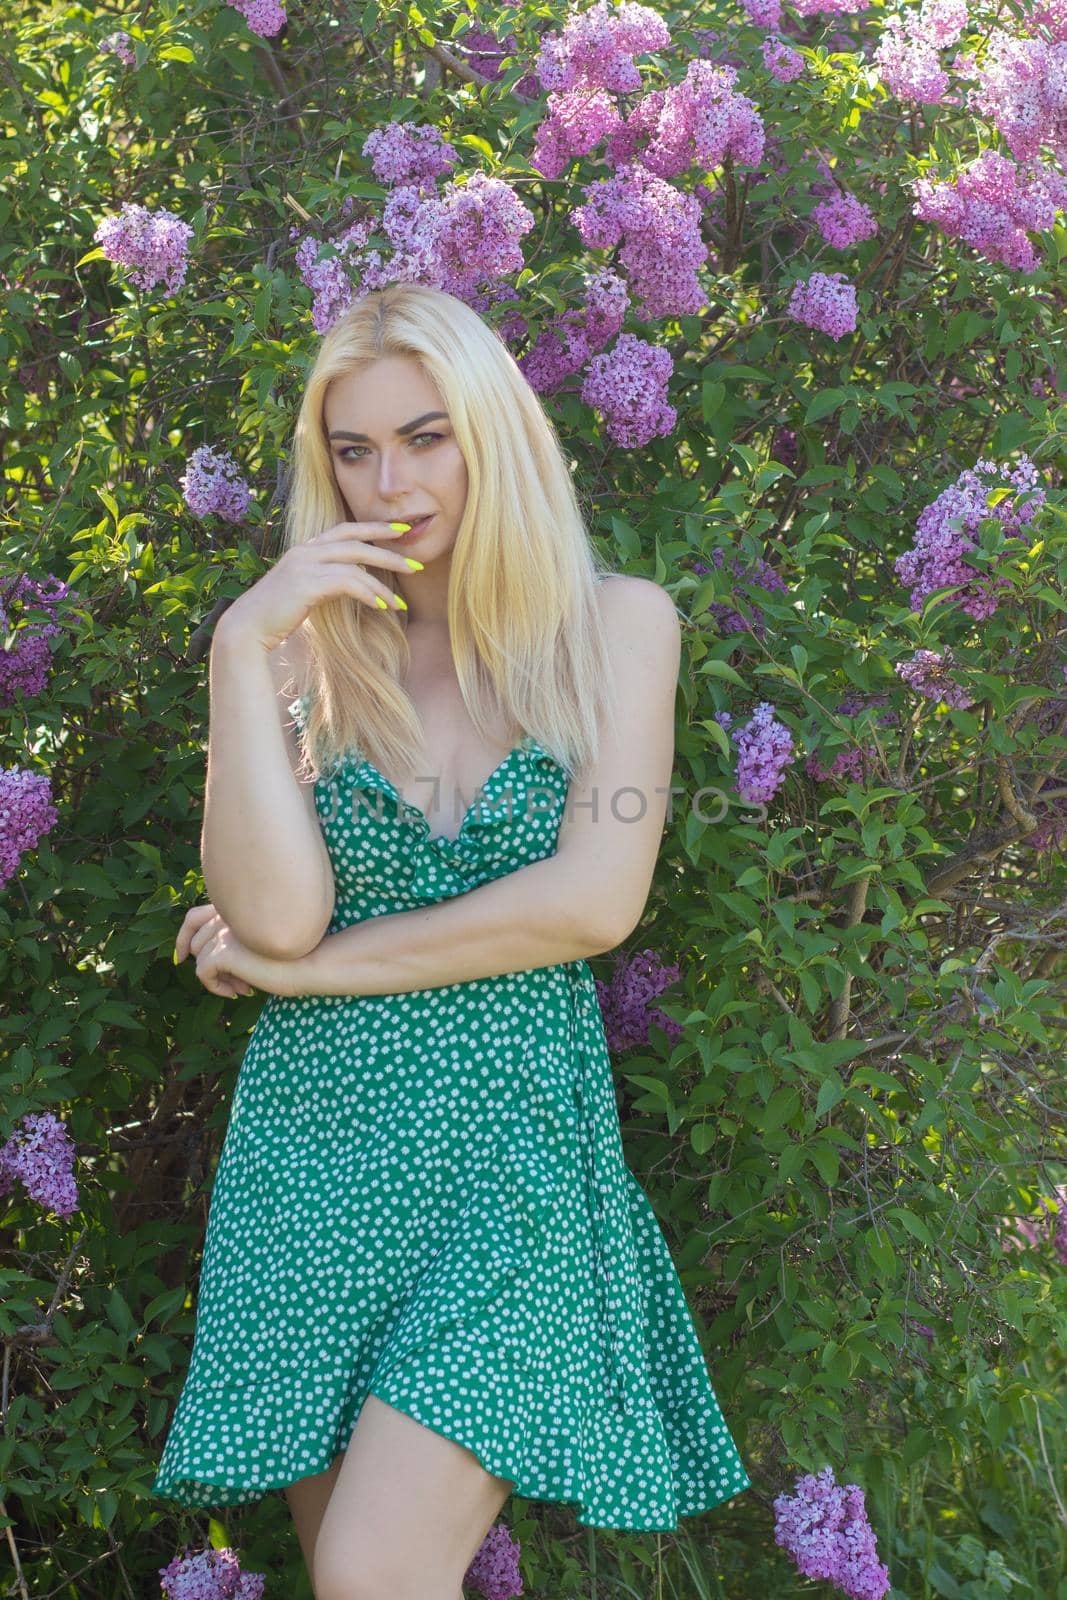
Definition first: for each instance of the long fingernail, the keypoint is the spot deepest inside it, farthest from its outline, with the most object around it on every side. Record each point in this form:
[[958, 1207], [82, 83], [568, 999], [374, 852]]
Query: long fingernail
[[400, 526]]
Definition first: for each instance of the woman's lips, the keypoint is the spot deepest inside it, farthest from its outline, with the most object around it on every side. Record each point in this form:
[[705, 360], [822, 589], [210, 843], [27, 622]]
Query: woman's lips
[[415, 529]]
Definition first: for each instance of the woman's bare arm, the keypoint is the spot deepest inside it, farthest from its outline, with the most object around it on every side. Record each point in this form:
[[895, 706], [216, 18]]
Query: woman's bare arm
[[265, 863]]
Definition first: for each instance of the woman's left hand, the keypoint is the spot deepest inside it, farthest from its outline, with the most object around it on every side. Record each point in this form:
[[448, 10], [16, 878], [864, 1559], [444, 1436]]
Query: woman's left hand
[[224, 965]]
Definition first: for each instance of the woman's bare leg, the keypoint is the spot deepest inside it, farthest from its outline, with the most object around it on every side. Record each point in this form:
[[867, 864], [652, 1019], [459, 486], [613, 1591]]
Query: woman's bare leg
[[406, 1515], [308, 1499]]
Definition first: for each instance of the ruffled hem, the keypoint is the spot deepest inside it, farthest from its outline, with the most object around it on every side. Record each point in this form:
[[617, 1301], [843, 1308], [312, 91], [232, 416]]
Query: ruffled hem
[[294, 1434]]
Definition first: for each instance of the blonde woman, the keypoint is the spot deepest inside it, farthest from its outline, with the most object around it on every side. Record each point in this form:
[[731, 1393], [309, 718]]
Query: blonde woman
[[429, 1278]]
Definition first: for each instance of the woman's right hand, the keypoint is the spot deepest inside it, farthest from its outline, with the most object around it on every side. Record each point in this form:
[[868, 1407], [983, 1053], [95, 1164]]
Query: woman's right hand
[[331, 564]]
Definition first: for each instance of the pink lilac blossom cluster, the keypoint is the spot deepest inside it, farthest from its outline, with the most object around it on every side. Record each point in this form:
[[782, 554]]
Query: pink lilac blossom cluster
[[823, 1526], [212, 485], [628, 386], [1051, 830], [658, 229], [992, 205], [826, 302], [625, 1000], [1048, 1230], [26, 815], [748, 576], [947, 530], [763, 13], [856, 703], [841, 218], [764, 751], [856, 764], [494, 1571], [462, 240], [24, 668], [486, 54], [406, 153], [209, 1574], [1022, 88], [40, 1154], [265, 17], [811, 8], [907, 53], [567, 342], [781, 60], [154, 244], [120, 44], [784, 446], [927, 672]]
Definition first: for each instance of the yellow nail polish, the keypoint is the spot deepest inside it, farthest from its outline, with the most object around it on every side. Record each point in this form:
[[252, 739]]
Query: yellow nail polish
[[416, 566], [380, 602], [400, 526], [401, 603]]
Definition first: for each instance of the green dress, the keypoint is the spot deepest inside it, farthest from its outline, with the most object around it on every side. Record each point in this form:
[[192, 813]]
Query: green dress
[[424, 1196]]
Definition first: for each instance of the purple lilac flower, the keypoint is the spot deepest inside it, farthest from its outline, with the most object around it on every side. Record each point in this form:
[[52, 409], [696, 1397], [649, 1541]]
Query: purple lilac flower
[[763, 13], [628, 386], [1051, 830], [659, 229], [120, 44], [992, 205], [765, 749], [856, 764], [625, 1001], [408, 153], [855, 703], [784, 446], [213, 485], [596, 47], [748, 577], [462, 241], [265, 17], [823, 1526], [1021, 89], [781, 60], [927, 673], [947, 530], [826, 302], [152, 243], [1037, 1232], [567, 342], [25, 667], [26, 814], [701, 120], [40, 1153], [842, 219], [486, 54], [494, 1571], [209, 1575]]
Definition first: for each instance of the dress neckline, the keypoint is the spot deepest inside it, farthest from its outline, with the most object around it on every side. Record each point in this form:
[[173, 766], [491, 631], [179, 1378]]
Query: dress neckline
[[470, 818]]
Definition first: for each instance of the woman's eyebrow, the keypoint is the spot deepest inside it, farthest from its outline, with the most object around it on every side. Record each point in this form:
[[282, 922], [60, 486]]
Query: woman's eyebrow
[[408, 427]]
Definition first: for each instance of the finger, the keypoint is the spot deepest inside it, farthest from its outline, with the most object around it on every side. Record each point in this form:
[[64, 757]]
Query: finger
[[361, 585], [195, 917], [352, 549], [376, 528], [204, 936]]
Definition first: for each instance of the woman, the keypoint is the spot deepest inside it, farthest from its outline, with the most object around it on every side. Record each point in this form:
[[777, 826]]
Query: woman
[[429, 1277]]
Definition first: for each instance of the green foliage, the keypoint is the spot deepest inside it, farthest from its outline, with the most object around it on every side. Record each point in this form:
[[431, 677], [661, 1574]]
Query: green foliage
[[869, 1078]]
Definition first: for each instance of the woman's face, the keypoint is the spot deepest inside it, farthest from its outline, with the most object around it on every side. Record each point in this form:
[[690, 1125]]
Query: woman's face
[[388, 470]]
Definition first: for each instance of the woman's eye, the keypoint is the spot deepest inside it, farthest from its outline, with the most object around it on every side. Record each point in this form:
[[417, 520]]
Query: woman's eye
[[342, 454]]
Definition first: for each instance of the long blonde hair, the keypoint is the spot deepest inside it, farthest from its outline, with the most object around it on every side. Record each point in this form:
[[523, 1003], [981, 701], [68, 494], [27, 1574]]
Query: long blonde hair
[[523, 617]]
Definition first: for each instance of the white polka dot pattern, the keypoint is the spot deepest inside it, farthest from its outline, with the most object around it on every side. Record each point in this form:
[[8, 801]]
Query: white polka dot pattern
[[424, 1196]]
